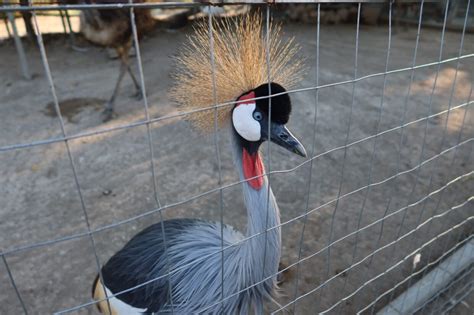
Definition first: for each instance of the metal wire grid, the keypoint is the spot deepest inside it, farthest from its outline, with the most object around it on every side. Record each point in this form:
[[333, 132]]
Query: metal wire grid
[[62, 5], [450, 232], [454, 292]]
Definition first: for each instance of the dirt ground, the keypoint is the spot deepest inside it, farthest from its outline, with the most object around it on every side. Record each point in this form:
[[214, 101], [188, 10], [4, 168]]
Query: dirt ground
[[39, 201]]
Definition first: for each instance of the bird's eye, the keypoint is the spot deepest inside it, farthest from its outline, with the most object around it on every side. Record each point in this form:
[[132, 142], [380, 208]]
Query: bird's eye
[[257, 116]]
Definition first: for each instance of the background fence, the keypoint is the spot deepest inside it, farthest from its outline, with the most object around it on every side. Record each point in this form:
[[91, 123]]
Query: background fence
[[384, 196]]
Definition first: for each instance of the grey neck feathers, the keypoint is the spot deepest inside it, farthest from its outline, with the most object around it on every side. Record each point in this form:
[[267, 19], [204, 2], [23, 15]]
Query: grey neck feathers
[[264, 250]]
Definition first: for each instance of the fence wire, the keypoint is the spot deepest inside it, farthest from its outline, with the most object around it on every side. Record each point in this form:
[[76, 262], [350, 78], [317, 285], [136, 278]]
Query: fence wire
[[452, 233]]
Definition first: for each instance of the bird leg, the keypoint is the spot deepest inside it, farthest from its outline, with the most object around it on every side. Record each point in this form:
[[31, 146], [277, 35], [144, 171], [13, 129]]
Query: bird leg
[[138, 90], [124, 57], [122, 52], [108, 112]]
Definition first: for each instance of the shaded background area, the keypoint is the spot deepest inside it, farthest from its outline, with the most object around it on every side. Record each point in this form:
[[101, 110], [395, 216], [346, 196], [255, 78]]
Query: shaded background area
[[39, 200]]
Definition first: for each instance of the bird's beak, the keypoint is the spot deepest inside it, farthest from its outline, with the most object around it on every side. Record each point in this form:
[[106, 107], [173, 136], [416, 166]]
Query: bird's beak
[[284, 138]]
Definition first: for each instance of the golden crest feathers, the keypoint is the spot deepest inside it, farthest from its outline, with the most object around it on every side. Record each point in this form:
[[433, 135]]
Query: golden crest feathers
[[240, 62]]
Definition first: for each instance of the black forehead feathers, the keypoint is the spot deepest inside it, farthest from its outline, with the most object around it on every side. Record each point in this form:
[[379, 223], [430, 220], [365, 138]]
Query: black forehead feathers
[[281, 104]]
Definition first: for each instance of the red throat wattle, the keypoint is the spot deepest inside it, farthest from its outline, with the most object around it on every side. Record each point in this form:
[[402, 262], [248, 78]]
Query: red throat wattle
[[253, 166]]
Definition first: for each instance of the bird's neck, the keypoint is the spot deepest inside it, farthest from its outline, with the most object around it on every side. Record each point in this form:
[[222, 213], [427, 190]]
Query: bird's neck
[[262, 210]]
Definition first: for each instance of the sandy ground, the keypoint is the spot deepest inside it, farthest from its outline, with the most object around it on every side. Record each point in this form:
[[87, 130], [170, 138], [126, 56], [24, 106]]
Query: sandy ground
[[39, 200]]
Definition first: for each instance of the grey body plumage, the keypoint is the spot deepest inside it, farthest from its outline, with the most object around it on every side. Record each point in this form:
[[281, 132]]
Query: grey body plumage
[[197, 286]]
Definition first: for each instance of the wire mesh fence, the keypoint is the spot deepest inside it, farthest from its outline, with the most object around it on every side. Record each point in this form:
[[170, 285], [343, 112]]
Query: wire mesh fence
[[384, 196]]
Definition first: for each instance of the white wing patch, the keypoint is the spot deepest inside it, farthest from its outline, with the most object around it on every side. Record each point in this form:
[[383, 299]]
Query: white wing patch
[[122, 308], [244, 123]]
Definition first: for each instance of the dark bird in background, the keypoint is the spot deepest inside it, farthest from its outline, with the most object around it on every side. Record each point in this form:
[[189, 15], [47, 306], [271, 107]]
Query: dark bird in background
[[112, 28], [190, 248]]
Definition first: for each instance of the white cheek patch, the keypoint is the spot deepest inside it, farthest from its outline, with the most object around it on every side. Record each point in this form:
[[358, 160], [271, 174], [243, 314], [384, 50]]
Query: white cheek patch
[[244, 123]]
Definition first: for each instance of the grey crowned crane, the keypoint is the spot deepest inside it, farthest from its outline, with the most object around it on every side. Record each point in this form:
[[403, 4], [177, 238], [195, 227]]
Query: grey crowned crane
[[250, 265], [112, 28]]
